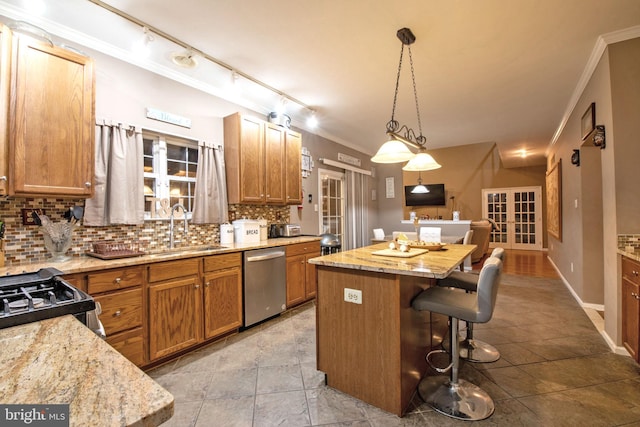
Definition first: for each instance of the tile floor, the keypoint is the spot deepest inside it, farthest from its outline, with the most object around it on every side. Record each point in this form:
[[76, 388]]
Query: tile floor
[[555, 370]]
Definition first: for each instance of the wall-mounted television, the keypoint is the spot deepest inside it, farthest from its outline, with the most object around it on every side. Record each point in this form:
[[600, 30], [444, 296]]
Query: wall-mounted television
[[435, 196]]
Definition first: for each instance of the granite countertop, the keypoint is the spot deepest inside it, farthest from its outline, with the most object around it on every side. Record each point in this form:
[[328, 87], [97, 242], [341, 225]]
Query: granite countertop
[[432, 264], [633, 255], [84, 263], [61, 361]]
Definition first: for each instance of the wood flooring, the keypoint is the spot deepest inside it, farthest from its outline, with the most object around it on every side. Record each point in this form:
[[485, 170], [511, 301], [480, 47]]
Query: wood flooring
[[526, 263]]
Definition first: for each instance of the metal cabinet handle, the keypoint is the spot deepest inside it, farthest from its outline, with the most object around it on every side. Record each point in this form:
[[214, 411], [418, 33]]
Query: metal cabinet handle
[[87, 184], [118, 280], [635, 273], [207, 284], [197, 286], [117, 313], [3, 178]]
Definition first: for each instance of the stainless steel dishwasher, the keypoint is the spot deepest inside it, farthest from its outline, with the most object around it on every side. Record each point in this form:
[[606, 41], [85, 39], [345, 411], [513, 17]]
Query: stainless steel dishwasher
[[265, 284]]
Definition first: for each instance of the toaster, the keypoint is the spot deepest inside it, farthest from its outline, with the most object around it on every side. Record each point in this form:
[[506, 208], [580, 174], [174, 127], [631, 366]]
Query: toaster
[[290, 230]]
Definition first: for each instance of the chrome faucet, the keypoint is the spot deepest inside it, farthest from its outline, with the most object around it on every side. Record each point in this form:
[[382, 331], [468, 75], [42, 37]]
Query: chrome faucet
[[186, 225]]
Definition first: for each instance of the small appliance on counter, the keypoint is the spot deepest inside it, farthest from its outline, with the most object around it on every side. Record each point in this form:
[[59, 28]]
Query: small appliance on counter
[[284, 230], [291, 230]]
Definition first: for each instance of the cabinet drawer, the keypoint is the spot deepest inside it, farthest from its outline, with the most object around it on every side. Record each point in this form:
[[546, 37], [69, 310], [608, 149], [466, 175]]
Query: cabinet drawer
[[219, 262], [112, 280], [121, 310], [304, 248], [173, 269], [130, 345], [631, 270]]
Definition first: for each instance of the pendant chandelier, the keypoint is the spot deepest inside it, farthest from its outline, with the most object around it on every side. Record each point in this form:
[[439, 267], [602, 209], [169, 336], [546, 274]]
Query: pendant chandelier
[[396, 149]]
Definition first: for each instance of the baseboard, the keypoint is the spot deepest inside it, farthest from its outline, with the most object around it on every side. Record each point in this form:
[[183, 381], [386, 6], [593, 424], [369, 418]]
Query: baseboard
[[597, 321]]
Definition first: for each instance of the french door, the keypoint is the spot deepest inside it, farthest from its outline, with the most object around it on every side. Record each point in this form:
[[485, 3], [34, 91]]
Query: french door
[[332, 214], [517, 213]]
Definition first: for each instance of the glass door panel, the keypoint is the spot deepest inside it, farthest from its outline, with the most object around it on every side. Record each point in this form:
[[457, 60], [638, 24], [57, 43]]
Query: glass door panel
[[517, 213]]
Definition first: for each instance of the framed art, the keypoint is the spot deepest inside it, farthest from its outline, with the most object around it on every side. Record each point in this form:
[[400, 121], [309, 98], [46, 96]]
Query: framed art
[[588, 122], [554, 200]]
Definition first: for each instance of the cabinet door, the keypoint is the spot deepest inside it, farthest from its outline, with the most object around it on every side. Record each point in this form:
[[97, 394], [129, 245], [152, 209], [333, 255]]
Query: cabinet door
[[631, 318], [296, 276], [274, 163], [311, 285], [175, 313], [51, 121], [5, 78], [251, 152], [222, 301], [293, 178]]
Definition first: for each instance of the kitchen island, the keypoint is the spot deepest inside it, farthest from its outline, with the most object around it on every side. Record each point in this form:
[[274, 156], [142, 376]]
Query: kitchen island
[[61, 361], [370, 343]]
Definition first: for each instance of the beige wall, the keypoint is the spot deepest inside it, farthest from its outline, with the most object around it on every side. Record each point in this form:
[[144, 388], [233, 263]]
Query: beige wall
[[465, 171], [605, 185]]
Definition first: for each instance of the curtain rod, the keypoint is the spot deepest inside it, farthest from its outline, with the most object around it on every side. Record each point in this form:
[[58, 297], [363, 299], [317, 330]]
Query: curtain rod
[[197, 51], [344, 166]]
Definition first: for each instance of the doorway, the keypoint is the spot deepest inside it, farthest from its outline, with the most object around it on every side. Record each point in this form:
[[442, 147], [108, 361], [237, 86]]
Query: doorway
[[517, 213], [331, 189]]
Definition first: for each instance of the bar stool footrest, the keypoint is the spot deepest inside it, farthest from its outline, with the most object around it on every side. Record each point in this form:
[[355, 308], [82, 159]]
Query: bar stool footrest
[[433, 366]]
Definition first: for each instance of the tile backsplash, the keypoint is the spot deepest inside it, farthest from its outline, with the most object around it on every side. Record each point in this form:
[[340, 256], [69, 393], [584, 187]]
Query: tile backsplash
[[629, 240], [24, 244]]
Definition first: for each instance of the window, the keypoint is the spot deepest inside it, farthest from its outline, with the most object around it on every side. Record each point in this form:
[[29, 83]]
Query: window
[[170, 166]]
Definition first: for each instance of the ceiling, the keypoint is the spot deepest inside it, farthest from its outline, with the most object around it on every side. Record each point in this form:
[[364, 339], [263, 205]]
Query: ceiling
[[501, 71]]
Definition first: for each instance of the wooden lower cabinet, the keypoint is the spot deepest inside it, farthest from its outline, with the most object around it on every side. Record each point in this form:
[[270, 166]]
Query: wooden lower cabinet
[[175, 306], [119, 293], [631, 307], [222, 294], [182, 313], [301, 276], [130, 344]]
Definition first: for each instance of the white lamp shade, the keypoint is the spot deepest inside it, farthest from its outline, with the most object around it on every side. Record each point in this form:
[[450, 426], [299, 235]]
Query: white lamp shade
[[421, 162], [392, 151], [420, 189]]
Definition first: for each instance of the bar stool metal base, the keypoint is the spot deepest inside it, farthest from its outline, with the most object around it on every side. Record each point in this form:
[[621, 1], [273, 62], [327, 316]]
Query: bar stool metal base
[[464, 400], [478, 351]]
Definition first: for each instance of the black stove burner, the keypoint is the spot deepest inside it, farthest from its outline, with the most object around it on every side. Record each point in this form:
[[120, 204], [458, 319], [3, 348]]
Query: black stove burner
[[37, 296]]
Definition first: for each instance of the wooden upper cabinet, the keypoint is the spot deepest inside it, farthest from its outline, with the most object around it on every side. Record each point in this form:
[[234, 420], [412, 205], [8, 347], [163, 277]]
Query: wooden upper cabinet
[[274, 163], [5, 78], [52, 121], [258, 162], [293, 190]]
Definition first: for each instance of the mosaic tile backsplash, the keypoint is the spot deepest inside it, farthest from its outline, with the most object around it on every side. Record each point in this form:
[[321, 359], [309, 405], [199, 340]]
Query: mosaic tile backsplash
[[626, 241], [24, 244]]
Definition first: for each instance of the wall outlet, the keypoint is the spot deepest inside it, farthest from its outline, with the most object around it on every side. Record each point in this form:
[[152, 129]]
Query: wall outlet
[[353, 295]]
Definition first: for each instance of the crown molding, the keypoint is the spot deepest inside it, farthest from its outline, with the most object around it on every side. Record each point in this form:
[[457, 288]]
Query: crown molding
[[597, 52]]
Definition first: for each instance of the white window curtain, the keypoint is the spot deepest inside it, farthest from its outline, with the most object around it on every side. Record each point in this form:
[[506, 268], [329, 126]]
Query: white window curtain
[[119, 176], [357, 219], [210, 199]]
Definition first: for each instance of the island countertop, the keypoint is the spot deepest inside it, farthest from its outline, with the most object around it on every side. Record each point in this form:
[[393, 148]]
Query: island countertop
[[61, 361], [433, 264]]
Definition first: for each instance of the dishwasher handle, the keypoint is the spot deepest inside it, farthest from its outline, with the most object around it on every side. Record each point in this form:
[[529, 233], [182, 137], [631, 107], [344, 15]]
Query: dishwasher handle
[[270, 255]]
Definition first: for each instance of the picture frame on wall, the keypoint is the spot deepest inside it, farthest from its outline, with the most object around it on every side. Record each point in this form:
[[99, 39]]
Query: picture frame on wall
[[588, 122], [554, 200]]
